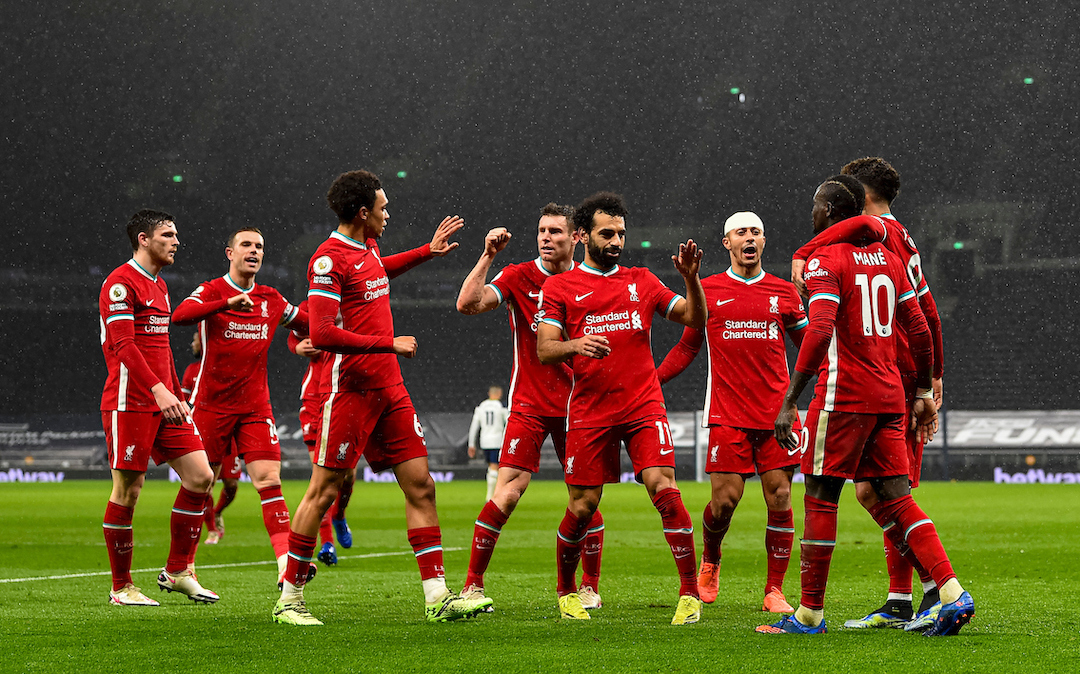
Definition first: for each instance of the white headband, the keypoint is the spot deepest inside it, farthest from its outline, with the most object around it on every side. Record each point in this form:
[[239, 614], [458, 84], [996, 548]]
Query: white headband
[[743, 219]]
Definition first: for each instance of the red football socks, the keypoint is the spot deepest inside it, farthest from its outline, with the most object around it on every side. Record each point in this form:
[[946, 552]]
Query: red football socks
[[301, 552], [185, 524], [712, 535], [819, 539], [571, 535], [779, 539], [426, 543], [679, 532], [275, 514], [486, 532], [592, 550], [119, 542]]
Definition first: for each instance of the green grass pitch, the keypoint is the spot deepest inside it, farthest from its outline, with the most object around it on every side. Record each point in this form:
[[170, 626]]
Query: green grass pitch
[[1015, 547]]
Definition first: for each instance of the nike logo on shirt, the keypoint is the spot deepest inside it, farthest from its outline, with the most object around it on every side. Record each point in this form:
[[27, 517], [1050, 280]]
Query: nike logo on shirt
[[357, 266], [578, 298], [666, 452], [721, 303], [534, 295], [149, 302]]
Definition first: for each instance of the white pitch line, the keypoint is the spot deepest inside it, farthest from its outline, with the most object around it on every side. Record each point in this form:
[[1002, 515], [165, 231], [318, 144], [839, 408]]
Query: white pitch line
[[207, 566]]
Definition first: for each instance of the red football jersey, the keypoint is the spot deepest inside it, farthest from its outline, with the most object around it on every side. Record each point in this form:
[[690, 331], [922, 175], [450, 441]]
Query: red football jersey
[[618, 304], [235, 345], [896, 239], [535, 388], [867, 292], [187, 380], [134, 315], [352, 275], [748, 368], [310, 386]]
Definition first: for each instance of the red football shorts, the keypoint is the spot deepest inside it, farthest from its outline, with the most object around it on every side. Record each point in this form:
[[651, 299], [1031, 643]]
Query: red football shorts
[[133, 438], [252, 436], [378, 424], [524, 436], [915, 448], [232, 467], [855, 446], [310, 415], [593, 456], [747, 451]]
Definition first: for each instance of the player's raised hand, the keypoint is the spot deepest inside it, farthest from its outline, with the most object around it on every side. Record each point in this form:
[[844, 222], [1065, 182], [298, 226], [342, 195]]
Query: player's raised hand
[[592, 346], [924, 419], [405, 346], [688, 261], [797, 267], [496, 240], [782, 427], [440, 243], [240, 302]]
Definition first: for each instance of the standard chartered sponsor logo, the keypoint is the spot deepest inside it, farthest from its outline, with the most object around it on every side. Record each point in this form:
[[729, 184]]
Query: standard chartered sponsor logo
[[247, 331], [598, 324], [751, 330], [377, 288], [157, 325]]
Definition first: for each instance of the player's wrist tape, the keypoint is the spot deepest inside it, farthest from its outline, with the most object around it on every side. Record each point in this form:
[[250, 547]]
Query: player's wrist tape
[[925, 393]]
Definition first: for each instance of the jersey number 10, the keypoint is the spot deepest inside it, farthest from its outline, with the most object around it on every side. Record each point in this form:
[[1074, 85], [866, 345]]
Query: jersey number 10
[[870, 289]]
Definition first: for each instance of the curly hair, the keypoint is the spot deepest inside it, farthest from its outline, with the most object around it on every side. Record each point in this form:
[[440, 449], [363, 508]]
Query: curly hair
[[605, 202], [877, 175], [846, 195], [352, 191], [145, 222]]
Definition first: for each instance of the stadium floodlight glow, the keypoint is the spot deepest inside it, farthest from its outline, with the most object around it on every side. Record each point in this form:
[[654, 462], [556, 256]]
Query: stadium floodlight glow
[[1029, 80], [178, 178], [646, 244], [735, 90], [401, 174], [958, 245]]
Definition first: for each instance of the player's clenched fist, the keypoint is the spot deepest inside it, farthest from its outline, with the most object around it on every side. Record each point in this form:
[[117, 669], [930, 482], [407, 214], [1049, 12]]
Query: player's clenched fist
[[496, 240], [592, 346], [405, 346]]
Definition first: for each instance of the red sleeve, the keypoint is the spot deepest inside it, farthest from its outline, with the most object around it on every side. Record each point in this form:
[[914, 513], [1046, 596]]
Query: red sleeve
[[399, 263], [919, 340], [121, 334], [681, 355], [199, 305], [933, 321], [816, 337], [852, 230], [326, 335], [294, 341], [300, 321]]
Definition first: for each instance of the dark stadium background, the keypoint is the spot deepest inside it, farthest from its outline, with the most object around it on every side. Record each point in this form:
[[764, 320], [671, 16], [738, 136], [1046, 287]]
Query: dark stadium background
[[242, 113]]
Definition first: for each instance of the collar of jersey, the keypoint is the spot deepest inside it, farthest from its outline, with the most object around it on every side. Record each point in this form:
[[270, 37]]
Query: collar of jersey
[[234, 284], [592, 270], [888, 215], [540, 265], [139, 268], [742, 279], [349, 241]]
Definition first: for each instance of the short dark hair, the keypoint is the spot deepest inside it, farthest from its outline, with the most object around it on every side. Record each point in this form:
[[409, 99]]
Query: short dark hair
[[876, 174], [352, 191], [606, 202], [846, 195], [232, 237], [145, 222], [558, 210]]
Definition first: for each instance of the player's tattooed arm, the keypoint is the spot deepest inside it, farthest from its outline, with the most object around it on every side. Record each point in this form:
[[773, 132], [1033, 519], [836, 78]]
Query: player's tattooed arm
[[475, 297]]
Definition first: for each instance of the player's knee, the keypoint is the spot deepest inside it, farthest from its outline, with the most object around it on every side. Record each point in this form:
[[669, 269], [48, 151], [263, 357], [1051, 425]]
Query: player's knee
[[198, 481], [779, 498]]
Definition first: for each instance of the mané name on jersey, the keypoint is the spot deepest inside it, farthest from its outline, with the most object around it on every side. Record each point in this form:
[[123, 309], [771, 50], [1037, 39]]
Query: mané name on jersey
[[859, 373], [618, 304], [536, 389]]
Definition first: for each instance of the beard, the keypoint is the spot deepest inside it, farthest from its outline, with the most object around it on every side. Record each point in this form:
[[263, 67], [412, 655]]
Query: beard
[[605, 257]]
